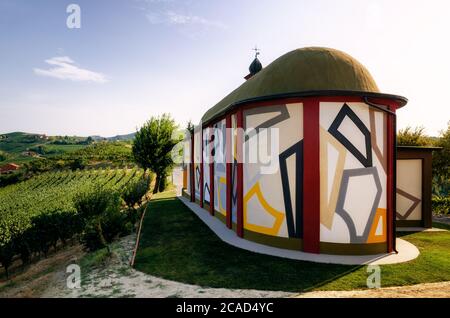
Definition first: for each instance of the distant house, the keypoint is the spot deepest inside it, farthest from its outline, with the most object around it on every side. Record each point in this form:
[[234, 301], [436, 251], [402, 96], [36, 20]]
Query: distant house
[[8, 168], [30, 153]]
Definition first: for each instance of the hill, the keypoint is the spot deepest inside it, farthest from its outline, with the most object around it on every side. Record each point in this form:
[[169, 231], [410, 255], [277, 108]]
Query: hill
[[22, 147], [126, 137]]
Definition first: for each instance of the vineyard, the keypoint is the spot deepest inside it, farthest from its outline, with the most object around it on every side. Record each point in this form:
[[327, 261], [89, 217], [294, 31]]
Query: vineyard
[[28, 206]]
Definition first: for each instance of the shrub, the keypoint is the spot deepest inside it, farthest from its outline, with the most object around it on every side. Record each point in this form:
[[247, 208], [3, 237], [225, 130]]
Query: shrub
[[6, 256], [12, 178], [3, 156], [413, 137], [440, 205], [101, 231], [135, 191], [133, 195], [103, 221], [96, 201]]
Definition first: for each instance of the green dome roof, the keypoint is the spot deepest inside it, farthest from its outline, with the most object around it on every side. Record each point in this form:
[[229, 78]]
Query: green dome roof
[[307, 70]]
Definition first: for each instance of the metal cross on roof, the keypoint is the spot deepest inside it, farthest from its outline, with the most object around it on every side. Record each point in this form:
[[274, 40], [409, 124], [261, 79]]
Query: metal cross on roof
[[256, 51]]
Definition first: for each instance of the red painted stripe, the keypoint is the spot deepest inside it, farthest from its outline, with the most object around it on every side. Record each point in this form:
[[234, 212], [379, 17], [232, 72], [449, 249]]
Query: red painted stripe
[[228, 169], [311, 176], [211, 173], [240, 174], [192, 167], [201, 169], [391, 135]]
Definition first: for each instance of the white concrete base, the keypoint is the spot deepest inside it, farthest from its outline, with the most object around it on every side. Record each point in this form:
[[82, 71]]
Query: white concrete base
[[406, 250], [419, 229]]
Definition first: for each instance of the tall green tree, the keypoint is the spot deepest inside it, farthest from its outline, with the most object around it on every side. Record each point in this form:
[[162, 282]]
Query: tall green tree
[[152, 147]]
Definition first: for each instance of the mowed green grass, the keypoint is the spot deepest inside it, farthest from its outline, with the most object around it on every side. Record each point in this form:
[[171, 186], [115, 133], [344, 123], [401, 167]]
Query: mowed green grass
[[176, 245]]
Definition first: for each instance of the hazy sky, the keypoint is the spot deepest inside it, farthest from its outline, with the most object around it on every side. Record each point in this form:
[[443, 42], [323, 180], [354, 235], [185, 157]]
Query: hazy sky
[[134, 59]]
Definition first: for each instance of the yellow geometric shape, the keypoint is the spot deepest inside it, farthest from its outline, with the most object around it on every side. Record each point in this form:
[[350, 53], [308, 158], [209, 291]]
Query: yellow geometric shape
[[327, 207], [380, 216], [279, 216], [185, 178], [222, 180]]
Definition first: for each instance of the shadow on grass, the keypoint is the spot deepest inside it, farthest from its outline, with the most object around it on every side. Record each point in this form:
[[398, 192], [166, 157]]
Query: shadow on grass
[[176, 245]]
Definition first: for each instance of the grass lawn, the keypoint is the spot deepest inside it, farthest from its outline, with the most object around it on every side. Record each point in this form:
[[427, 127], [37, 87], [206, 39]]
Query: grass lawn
[[176, 245]]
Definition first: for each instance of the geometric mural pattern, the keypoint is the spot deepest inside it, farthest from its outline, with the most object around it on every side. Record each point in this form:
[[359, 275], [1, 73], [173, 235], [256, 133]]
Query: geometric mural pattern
[[220, 183], [278, 216], [221, 195], [294, 222], [372, 206], [346, 111], [403, 215], [380, 154], [378, 231], [328, 200], [206, 192], [197, 177], [279, 195], [282, 116], [364, 218]]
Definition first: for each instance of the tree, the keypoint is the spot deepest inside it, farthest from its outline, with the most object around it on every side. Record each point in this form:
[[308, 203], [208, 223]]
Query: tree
[[3, 156], [89, 140], [190, 127], [413, 137], [152, 147], [77, 163], [441, 162]]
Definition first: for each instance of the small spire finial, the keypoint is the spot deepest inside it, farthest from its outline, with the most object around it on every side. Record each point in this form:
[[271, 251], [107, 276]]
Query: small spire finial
[[255, 66], [256, 51]]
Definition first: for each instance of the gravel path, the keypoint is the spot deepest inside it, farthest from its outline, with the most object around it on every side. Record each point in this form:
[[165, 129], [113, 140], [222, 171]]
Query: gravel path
[[430, 290], [117, 279], [441, 218]]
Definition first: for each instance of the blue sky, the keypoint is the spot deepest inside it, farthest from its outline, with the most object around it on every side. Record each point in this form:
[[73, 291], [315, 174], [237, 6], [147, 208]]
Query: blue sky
[[134, 59]]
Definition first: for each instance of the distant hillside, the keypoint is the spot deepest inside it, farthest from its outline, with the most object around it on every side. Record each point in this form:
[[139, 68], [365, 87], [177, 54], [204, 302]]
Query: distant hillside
[[115, 138], [22, 147], [122, 137]]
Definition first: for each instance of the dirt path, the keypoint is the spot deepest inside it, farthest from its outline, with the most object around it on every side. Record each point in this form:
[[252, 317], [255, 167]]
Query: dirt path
[[37, 277], [430, 290], [117, 279], [441, 218]]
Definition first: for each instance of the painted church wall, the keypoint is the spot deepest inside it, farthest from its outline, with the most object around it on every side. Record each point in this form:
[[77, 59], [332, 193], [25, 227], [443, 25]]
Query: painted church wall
[[273, 186], [197, 158], [186, 164], [220, 176], [353, 179], [205, 162]]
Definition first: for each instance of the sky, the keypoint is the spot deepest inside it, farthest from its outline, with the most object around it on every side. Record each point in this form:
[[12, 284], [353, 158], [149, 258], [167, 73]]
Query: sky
[[133, 59]]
